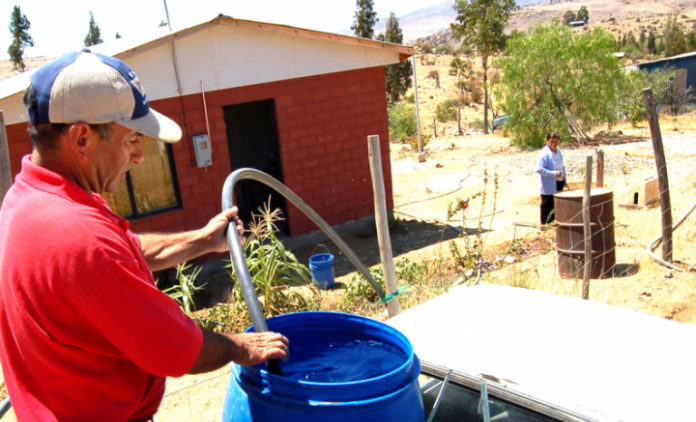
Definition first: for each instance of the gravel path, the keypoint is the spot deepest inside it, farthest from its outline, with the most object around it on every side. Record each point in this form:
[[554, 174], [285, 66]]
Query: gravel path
[[628, 158]]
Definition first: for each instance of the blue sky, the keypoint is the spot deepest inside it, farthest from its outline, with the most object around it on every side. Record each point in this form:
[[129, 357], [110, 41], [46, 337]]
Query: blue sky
[[58, 26]]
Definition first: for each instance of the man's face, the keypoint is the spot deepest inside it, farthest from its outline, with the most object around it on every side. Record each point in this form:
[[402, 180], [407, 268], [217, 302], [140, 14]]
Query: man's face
[[553, 143], [112, 158]]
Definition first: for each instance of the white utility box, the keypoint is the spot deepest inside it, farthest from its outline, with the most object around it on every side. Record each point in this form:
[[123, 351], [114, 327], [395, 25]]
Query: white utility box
[[203, 150]]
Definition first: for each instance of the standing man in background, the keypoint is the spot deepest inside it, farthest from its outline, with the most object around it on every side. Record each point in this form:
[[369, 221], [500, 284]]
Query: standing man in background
[[85, 335], [552, 176]]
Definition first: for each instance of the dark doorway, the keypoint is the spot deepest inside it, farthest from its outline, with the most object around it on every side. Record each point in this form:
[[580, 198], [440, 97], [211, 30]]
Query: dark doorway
[[252, 137]]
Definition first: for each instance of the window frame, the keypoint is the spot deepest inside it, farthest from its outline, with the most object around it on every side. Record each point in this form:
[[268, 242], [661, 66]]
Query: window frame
[[500, 393], [135, 215]]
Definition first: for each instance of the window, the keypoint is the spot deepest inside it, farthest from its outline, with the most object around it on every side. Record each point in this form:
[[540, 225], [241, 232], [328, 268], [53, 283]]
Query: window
[[462, 400], [150, 187]]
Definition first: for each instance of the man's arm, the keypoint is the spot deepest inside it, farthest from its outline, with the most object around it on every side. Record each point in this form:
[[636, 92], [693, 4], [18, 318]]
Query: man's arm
[[167, 250], [244, 349], [545, 166]]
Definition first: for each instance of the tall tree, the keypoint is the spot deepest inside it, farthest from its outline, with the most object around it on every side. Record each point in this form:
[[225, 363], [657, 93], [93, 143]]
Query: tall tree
[[398, 76], [651, 45], [481, 23], [552, 74], [19, 28], [364, 19], [462, 70], [674, 38], [94, 34]]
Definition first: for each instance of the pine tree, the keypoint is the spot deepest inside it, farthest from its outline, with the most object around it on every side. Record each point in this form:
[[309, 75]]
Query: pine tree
[[398, 76], [364, 19], [94, 34], [19, 27], [652, 48]]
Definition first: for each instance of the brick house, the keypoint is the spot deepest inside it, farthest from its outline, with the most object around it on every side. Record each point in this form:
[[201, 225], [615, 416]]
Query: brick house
[[296, 103]]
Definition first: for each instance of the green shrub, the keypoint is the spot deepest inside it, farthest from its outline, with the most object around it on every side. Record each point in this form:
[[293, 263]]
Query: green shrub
[[413, 141], [402, 121], [444, 49], [273, 269]]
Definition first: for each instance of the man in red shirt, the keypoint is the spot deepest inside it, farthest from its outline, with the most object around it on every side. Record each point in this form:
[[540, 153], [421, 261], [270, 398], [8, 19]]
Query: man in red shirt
[[85, 335]]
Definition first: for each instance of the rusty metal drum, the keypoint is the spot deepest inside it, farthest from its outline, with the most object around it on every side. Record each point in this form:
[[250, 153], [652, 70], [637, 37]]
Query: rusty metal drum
[[570, 240]]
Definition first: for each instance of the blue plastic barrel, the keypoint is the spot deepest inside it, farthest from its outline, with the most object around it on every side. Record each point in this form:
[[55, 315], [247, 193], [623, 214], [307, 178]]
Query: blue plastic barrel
[[342, 368], [322, 268]]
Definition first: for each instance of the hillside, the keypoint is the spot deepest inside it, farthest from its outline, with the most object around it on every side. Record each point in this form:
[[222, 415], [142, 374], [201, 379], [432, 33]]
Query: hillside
[[617, 16]]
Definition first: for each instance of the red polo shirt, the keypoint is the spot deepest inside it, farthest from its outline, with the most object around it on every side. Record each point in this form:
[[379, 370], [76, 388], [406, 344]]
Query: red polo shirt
[[84, 332]]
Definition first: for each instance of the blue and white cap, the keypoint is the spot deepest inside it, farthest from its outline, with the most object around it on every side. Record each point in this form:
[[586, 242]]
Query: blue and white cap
[[93, 88]]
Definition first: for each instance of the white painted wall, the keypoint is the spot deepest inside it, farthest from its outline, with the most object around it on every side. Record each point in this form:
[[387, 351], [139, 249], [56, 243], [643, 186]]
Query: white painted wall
[[230, 53], [225, 56]]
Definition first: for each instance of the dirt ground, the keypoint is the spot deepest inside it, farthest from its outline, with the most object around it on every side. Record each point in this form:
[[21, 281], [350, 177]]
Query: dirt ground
[[454, 169]]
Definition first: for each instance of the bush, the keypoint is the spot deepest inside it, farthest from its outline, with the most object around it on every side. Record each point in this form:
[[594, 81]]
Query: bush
[[413, 141], [446, 111], [425, 47], [444, 49], [476, 94], [477, 123], [402, 121]]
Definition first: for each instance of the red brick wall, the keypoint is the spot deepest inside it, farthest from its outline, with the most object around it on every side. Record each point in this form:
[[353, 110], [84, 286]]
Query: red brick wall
[[19, 145], [323, 123]]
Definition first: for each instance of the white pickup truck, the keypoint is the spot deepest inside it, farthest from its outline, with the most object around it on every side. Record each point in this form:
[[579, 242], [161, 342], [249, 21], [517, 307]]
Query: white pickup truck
[[523, 355]]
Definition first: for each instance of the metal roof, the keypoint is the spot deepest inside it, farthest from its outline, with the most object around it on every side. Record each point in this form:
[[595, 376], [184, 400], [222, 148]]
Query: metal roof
[[601, 361], [669, 59]]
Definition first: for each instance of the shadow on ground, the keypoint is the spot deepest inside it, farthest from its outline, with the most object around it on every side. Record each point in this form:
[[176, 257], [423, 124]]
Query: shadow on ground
[[361, 238]]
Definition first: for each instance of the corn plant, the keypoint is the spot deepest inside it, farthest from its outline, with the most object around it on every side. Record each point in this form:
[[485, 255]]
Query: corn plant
[[183, 292], [273, 268]]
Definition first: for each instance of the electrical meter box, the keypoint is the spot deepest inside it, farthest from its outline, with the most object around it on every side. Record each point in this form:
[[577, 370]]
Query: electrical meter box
[[202, 148]]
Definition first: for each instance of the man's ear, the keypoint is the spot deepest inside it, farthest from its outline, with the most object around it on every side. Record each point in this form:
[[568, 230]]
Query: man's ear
[[78, 136]]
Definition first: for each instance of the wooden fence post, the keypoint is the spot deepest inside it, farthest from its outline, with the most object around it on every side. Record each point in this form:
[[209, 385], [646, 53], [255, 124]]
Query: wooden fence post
[[663, 183], [382, 222], [600, 168], [587, 229]]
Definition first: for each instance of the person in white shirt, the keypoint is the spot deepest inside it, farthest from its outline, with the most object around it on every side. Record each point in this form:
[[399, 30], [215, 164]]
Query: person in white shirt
[[552, 175]]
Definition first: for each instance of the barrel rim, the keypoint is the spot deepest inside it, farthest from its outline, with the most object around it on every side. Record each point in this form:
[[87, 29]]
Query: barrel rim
[[402, 374], [579, 193]]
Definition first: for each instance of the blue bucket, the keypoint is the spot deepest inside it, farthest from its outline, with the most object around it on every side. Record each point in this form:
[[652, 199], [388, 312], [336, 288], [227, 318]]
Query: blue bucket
[[322, 269], [341, 367]]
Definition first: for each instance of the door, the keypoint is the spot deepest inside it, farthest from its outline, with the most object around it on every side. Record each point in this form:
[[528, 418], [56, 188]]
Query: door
[[252, 138]]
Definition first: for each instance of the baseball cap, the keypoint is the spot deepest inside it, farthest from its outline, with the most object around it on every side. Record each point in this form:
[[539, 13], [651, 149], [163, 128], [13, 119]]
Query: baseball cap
[[93, 88]]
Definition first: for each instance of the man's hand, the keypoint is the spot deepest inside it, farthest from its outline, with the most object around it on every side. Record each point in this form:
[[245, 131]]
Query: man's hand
[[244, 349], [215, 230], [255, 348]]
